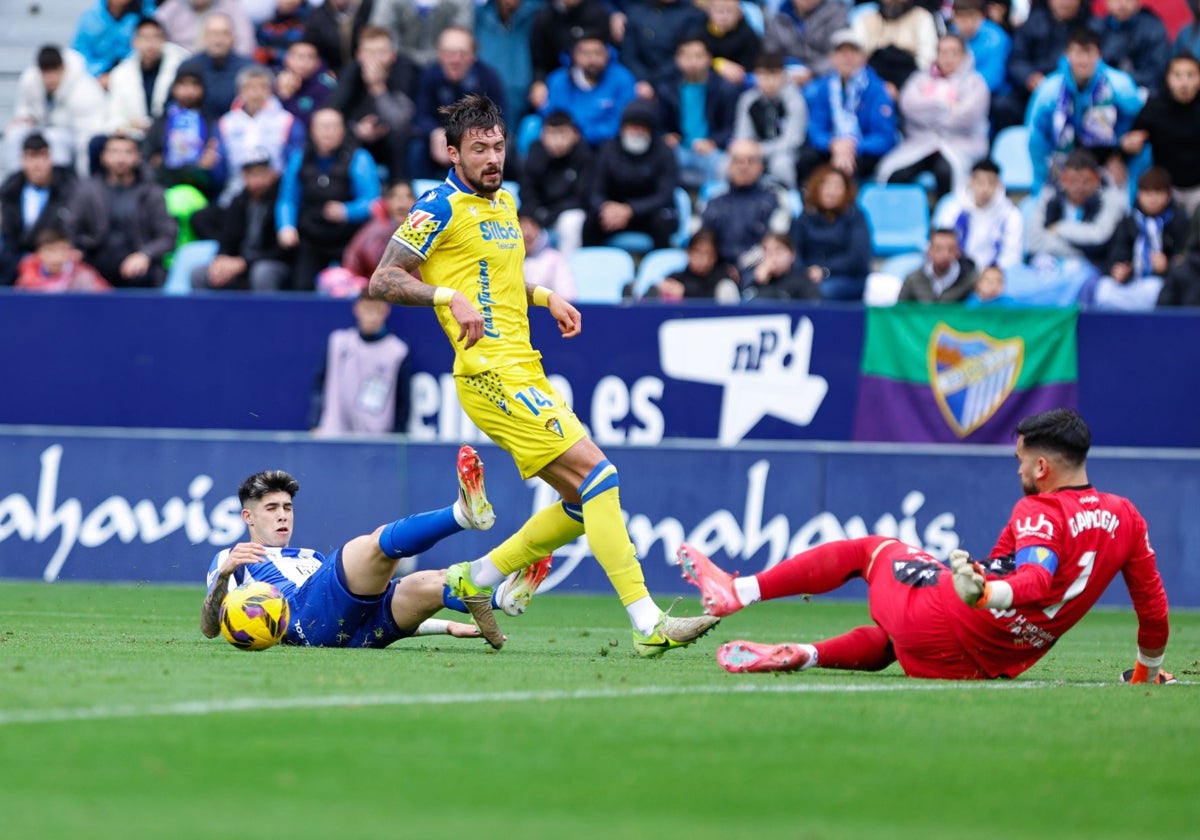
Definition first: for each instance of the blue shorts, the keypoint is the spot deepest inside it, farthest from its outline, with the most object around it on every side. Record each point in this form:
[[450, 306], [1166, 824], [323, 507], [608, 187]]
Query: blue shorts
[[325, 614]]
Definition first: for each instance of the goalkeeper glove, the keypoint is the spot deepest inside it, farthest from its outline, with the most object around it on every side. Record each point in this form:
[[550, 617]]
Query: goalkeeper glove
[[973, 588]]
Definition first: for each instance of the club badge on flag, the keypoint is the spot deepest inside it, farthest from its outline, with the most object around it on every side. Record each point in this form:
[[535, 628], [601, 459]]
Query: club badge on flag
[[971, 375]]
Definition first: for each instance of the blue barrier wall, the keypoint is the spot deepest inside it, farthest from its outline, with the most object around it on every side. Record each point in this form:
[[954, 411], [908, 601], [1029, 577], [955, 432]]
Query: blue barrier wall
[[156, 506], [637, 375]]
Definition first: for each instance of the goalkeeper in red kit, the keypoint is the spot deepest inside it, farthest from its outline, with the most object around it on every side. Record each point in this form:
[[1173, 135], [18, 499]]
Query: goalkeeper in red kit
[[1062, 546]]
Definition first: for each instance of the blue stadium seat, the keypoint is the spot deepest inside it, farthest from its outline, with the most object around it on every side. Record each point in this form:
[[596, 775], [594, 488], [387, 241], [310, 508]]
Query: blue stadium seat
[[683, 206], [656, 265], [528, 130], [515, 189], [601, 273], [902, 265], [861, 9], [1010, 150], [423, 185], [755, 19], [187, 257], [631, 241], [898, 215]]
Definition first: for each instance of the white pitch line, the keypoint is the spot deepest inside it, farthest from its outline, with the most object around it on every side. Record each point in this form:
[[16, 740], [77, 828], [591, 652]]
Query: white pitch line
[[350, 701]]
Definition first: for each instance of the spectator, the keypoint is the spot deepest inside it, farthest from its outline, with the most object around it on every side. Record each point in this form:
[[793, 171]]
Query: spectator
[[1181, 286], [362, 387], [1134, 39], [773, 114], [1088, 105], [1147, 242], [104, 34], [545, 265], [779, 275], [556, 180], [652, 29], [183, 144], [502, 29], [706, 275], [1187, 41], [139, 86], [256, 123], [1038, 46], [990, 228], [946, 277], [1170, 123], [989, 44], [249, 256], [731, 42], [833, 240], [696, 108], [335, 27], [803, 31], [556, 28], [217, 64], [417, 25], [366, 247], [944, 114], [899, 39], [989, 289], [1077, 215], [325, 197], [633, 182], [456, 73], [186, 24], [32, 199], [748, 211], [57, 266], [58, 99], [375, 94], [119, 218], [304, 84], [851, 117], [278, 32], [594, 89]]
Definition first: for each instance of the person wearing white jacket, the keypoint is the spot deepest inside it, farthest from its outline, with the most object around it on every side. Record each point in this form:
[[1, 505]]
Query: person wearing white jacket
[[153, 63], [990, 228], [59, 99]]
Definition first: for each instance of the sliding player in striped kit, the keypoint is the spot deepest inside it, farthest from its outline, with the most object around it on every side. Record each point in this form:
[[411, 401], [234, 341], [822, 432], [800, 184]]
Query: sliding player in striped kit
[[464, 238], [1062, 546]]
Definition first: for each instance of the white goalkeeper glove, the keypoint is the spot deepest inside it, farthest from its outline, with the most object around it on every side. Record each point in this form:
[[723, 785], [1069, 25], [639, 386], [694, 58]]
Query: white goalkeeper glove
[[973, 588]]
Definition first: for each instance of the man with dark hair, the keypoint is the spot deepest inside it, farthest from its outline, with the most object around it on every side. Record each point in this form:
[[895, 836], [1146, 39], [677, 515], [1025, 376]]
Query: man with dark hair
[[31, 199], [556, 178], [57, 98], [465, 239], [351, 598], [990, 228], [1063, 545], [1076, 216], [946, 277], [593, 88]]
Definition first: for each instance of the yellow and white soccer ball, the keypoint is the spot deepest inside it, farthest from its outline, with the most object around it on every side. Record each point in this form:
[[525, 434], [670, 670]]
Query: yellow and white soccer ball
[[254, 616]]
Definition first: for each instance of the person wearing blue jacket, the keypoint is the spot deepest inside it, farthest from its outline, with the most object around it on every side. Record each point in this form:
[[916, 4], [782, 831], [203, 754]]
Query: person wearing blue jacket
[[104, 34], [594, 89], [851, 116], [502, 28], [1085, 105]]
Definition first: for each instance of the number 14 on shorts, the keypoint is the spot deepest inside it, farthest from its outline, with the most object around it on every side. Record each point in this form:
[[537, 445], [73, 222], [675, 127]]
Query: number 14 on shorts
[[534, 400]]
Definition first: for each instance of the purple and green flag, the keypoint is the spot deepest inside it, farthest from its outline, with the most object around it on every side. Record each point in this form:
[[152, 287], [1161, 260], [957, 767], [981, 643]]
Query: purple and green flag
[[948, 374]]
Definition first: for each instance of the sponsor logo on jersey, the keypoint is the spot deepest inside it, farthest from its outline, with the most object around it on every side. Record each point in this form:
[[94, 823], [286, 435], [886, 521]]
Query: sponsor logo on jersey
[[493, 231], [418, 229], [971, 375], [1089, 500], [1030, 527], [416, 218]]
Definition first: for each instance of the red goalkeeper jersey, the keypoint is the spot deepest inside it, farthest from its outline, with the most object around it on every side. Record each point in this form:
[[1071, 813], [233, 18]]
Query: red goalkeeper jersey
[[1059, 552]]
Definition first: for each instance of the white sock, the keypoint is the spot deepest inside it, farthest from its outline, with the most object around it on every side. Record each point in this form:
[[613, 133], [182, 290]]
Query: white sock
[[644, 614], [460, 515], [746, 588], [812, 657], [484, 572]]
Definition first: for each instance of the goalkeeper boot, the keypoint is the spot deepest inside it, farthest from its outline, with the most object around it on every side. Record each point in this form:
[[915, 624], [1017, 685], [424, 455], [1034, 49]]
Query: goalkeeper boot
[[1163, 678], [471, 496], [516, 591], [747, 657], [672, 632], [477, 600], [717, 594]]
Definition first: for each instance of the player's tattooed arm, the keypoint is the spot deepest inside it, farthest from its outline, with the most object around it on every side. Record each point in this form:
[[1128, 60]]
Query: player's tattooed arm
[[210, 613], [394, 281]]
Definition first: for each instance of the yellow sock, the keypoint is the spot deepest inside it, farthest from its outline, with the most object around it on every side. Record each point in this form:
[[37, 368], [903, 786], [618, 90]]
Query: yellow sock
[[607, 535], [550, 528]]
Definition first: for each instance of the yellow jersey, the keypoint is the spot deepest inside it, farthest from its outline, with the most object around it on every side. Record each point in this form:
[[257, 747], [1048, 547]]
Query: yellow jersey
[[473, 245]]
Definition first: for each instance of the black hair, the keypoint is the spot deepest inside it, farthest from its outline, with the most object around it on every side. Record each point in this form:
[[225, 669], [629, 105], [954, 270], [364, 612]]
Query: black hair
[[148, 20], [986, 165], [1081, 159], [34, 142], [49, 57], [1060, 431], [473, 111], [558, 118], [267, 481], [1083, 36], [50, 236]]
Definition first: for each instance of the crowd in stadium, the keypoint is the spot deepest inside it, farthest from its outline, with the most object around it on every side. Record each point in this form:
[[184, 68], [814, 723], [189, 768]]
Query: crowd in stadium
[[746, 151]]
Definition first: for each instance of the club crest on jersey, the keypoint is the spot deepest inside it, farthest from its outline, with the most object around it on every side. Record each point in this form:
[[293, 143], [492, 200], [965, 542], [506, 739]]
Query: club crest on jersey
[[552, 425], [971, 375]]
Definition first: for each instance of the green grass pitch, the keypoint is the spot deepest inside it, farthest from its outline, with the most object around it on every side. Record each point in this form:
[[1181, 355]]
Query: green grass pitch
[[119, 720]]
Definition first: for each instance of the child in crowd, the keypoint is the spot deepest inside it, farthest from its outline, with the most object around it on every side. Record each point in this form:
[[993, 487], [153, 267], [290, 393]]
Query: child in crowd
[[57, 266], [990, 227], [704, 277], [778, 276], [989, 289], [774, 113]]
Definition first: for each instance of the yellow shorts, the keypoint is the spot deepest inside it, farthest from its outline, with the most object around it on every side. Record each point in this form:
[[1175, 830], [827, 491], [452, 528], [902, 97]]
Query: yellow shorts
[[518, 408]]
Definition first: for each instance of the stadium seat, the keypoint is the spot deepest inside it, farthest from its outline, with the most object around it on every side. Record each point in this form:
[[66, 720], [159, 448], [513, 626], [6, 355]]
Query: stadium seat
[[898, 215], [656, 265], [191, 255], [631, 241], [683, 206], [601, 273], [528, 130], [515, 189], [754, 16], [861, 9], [1010, 150], [421, 186]]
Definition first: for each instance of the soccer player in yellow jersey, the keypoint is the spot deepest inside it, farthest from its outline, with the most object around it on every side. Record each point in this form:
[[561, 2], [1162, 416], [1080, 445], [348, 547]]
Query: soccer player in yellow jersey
[[465, 239]]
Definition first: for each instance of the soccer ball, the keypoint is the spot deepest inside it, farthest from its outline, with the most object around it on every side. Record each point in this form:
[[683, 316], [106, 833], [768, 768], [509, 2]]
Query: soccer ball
[[254, 616]]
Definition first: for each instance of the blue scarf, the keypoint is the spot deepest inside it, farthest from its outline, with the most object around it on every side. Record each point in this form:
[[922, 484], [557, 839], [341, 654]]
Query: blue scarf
[[1096, 126], [843, 106], [1149, 239]]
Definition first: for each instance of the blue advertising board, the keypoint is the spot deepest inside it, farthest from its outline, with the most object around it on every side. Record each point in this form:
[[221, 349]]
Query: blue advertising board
[[108, 506]]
